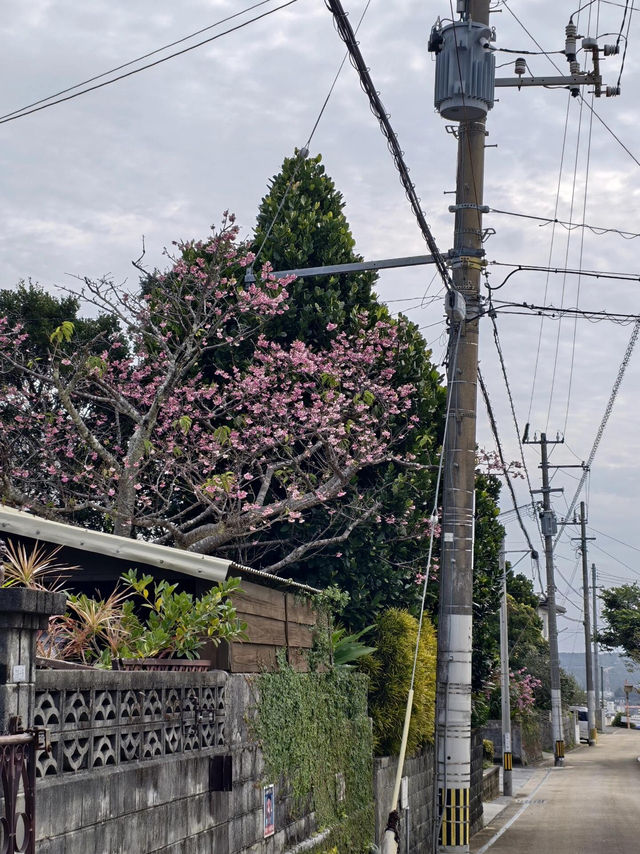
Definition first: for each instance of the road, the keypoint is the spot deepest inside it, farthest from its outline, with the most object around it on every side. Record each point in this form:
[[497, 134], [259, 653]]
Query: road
[[590, 806]]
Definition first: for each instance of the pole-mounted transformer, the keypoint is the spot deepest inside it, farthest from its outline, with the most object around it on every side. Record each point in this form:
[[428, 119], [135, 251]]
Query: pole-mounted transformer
[[465, 70]]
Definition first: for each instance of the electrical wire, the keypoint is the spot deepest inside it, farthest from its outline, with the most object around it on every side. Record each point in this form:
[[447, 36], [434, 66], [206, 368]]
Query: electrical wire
[[302, 154], [136, 60], [377, 108], [553, 311], [596, 114], [494, 430], [570, 226], [498, 346], [626, 39], [621, 542], [537, 268], [603, 423], [27, 112]]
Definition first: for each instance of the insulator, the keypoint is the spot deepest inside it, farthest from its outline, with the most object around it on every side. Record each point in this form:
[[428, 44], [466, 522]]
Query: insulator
[[589, 44], [611, 49], [521, 66], [612, 91], [570, 45], [574, 67]]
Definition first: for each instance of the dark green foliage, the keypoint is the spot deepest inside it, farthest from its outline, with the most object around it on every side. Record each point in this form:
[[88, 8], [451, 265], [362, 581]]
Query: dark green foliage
[[621, 619], [389, 671], [41, 314], [311, 231], [312, 727], [487, 582]]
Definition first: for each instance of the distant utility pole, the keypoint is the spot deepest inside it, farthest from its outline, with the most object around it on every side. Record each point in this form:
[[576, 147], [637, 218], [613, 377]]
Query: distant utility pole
[[591, 695], [507, 755], [596, 668], [549, 527]]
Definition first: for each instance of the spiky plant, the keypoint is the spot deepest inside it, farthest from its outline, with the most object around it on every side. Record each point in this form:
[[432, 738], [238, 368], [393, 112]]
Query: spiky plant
[[35, 568]]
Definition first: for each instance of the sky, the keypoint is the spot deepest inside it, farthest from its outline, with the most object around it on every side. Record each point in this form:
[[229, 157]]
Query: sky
[[158, 157]]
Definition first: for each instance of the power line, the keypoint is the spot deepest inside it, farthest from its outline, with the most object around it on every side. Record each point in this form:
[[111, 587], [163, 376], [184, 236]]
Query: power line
[[136, 60], [496, 339], [553, 311], [377, 108], [494, 430], [571, 226], [621, 542], [600, 119], [302, 154], [537, 268], [19, 114], [603, 424]]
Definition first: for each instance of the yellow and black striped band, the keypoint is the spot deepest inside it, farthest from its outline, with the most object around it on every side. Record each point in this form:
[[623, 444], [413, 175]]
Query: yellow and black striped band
[[507, 761], [455, 817], [560, 749]]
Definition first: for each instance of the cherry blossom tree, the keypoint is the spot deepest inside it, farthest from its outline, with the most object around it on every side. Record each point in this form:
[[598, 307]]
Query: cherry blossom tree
[[125, 429]]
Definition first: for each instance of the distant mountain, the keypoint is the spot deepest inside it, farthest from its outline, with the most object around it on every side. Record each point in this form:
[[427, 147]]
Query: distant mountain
[[616, 670]]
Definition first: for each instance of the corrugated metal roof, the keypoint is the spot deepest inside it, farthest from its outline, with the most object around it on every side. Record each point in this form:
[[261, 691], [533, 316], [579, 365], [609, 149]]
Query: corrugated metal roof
[[206, 567]]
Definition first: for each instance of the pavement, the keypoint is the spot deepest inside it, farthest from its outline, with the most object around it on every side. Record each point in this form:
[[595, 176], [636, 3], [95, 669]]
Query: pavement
[[590, 805]]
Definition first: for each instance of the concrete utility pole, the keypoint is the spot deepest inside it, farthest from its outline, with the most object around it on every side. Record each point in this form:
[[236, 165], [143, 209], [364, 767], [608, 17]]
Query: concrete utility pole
[[464, 92], [549, 529], [507, 755], [596, 669], [461, 60], [591, 696]]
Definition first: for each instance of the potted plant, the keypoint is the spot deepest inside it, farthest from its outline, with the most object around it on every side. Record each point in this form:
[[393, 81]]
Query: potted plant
[[163, 628]]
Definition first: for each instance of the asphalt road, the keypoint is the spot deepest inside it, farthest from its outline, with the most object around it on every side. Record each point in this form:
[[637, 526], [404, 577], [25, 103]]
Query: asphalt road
[[590, 806]]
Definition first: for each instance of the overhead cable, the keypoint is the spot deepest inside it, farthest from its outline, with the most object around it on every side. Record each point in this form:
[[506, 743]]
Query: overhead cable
[[570, 226], [537, 268], [496, 339], [377, 108], [601, 428], [595, 113], [554, 311], [302, 154], [19, 114], [494, 430]]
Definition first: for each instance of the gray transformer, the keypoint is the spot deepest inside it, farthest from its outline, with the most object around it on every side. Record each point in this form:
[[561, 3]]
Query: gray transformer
[[465, 71]]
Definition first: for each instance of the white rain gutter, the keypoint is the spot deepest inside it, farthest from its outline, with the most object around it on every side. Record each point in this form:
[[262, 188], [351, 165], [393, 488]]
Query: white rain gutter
[[137, 551]]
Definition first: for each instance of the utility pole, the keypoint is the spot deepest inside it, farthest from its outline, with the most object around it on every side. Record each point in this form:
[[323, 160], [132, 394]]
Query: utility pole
[[464, 92], [596, 669], [591, 696], [457, 98], [507, 755], [549, 527]]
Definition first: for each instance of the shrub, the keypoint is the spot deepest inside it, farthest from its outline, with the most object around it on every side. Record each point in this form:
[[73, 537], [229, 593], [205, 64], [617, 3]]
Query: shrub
[[389, 671], [487, 749]]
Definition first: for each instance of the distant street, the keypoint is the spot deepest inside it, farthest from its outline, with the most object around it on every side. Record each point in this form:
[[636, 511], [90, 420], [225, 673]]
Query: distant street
[[591, 806]]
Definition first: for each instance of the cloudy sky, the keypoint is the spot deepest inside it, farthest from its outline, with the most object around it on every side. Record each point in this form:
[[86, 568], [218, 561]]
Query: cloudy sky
[[162, 153]]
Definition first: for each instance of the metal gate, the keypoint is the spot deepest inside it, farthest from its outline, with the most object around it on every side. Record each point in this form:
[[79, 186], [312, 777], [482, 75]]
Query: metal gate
[[18, 795]]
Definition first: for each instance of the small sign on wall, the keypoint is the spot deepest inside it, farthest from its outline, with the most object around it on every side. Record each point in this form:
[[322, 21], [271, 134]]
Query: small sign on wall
[[269, 810], [19, 673]]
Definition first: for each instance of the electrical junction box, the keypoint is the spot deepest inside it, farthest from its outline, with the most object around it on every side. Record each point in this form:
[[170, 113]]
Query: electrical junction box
[[465, 71], [455, 306]]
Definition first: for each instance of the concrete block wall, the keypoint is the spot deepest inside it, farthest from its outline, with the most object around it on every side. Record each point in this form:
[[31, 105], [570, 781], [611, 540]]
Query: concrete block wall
[[166, 805], [420, 770]]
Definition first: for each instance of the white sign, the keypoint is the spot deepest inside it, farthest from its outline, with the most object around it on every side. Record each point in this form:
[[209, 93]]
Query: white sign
[[507, 742], [19, 673]]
